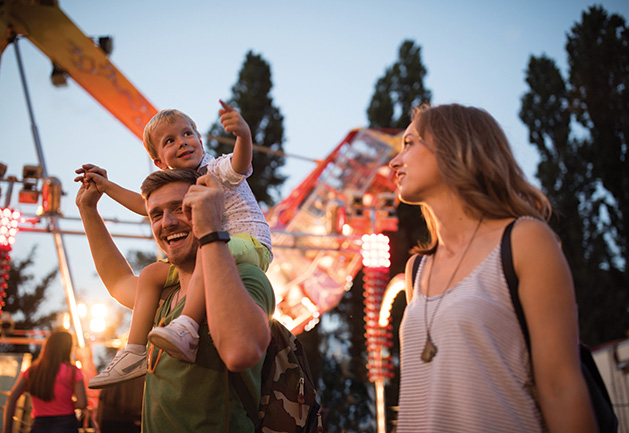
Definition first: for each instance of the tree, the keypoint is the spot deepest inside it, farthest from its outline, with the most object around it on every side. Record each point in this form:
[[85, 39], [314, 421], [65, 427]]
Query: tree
[[25, 298], [251, 96], [346, 393], [583, 170], [399, 90]]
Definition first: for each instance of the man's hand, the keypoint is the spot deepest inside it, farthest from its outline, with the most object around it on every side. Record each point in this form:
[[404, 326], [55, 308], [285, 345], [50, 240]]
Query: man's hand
[[233, 122], [203, 206], [88, 195]]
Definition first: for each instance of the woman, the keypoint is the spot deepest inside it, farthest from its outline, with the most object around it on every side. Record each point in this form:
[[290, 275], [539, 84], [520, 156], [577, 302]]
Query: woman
[[52, 382], [465, 365]]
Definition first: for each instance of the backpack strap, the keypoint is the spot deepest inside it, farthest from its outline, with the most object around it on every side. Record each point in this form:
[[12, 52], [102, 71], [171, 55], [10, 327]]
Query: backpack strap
[[506, 257], [245, 397], [415, 268]]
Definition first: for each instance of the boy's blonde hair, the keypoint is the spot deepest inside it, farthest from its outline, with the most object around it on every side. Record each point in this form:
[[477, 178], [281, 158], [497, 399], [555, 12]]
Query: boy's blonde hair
[[169, 115]]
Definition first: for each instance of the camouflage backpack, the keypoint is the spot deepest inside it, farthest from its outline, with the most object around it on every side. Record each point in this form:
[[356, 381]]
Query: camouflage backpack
[[288, 401]]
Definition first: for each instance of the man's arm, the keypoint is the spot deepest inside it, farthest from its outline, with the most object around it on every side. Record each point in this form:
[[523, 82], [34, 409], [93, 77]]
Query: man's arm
[[112, 267], [239, 326]]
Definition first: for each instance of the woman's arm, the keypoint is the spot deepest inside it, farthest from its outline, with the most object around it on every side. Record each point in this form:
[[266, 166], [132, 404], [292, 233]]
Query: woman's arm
[[547, 296], [80, 394], [9, 410]]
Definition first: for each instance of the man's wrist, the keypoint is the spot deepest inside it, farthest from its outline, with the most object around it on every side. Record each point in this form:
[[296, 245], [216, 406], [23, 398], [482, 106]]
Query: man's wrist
[[219, 236]]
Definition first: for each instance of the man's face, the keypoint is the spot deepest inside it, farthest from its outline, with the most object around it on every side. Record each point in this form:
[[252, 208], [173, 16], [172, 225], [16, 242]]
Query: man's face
[[171, 228]]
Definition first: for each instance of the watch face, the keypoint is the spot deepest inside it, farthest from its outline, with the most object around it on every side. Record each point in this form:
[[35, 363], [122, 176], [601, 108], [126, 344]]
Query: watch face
[[222, 236]]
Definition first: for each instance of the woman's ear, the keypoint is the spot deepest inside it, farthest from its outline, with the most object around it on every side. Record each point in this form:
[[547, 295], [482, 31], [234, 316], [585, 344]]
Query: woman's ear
[[159, 164]]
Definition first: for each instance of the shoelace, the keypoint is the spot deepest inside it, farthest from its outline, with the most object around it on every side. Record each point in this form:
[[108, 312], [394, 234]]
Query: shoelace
[[113, 362], [181, 328]]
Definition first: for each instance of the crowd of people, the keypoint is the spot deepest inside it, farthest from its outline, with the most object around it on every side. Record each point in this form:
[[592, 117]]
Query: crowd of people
[[465, 365]]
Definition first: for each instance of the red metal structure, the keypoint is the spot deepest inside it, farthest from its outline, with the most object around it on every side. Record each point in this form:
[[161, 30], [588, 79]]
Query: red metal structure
[[316, 230]]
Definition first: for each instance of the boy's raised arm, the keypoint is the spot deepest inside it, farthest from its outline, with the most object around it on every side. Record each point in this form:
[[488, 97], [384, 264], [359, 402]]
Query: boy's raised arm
[[233, 122], [112, 267], [129, 199]]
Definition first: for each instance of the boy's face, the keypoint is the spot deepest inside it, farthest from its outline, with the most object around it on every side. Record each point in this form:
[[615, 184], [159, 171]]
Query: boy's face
[[178, 146]]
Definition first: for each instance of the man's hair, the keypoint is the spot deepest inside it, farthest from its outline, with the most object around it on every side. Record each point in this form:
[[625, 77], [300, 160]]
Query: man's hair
[[169, 115], [158, 179]]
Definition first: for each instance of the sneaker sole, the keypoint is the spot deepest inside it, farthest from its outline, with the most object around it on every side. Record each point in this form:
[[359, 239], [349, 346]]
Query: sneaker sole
[[112, 382], [169, 348]]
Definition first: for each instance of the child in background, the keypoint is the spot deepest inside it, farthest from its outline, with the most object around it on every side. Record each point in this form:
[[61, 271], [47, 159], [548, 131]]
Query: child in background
[[172, 140]]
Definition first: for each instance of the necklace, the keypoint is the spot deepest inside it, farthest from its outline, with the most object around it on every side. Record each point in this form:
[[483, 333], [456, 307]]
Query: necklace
[[430, 350]]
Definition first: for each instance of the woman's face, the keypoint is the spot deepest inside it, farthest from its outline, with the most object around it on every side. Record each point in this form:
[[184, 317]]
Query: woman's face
[[416, 167]]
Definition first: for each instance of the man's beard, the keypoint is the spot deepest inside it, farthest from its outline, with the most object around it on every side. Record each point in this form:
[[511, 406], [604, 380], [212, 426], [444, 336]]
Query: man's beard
[[184, 259]]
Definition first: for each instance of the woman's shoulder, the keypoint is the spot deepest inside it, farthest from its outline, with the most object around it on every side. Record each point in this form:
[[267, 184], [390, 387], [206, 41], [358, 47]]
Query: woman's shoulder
[[528, 230], [71, 370]]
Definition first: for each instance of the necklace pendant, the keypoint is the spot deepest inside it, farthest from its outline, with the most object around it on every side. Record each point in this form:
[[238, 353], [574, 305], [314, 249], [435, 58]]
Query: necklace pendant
[[430, 350]]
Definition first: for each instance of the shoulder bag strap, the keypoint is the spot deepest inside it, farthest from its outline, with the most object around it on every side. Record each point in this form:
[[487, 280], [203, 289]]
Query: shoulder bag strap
[[418, 259], [506, 257]]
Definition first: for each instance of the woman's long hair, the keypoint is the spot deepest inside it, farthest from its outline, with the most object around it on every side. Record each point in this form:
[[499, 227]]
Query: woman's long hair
[[475, 159], [42, 375]]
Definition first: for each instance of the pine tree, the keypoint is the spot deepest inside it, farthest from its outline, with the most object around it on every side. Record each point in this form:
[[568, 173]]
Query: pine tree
[[251, 97], [399, 90], [583, 170]]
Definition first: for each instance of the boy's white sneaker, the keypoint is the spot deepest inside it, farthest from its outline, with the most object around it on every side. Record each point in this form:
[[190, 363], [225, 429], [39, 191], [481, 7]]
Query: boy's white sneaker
[[126, 365], [177, 339]]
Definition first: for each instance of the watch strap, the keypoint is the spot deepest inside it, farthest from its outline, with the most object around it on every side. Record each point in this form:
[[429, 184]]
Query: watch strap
[[214, 237]]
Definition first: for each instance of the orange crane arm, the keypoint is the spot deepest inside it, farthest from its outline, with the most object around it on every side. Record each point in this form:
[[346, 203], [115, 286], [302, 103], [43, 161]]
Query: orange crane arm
[[55, 35]]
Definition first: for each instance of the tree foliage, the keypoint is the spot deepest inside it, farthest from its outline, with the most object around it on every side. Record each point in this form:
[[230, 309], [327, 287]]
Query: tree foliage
[[26, 297], [346, 394], [399, 90], [580, 128], [251, 95]]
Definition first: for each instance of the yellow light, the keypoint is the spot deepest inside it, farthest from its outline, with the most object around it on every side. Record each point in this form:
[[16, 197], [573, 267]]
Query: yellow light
[[97, 325], [99, 311], [396, 285], [375, 251], [82, 310], [65, 320], [306, 302]]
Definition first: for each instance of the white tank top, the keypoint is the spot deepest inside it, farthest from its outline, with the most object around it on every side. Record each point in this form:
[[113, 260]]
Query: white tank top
[[480, 380]]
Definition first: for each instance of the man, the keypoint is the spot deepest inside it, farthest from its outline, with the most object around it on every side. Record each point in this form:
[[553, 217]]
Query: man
[[239, 303]]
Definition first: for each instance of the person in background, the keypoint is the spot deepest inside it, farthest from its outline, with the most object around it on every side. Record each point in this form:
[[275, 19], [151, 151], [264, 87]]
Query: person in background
[[56, 388], [120, 407], [465, 365]]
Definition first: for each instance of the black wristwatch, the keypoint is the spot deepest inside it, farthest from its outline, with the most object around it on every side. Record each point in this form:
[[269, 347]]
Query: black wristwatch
[[214, 237]]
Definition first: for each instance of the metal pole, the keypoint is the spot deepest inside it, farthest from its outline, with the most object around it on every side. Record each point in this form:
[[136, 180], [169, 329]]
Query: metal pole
[[66, 276]]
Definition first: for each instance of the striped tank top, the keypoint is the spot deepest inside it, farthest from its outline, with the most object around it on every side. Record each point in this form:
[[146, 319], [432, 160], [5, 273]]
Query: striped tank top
[[480, 380]]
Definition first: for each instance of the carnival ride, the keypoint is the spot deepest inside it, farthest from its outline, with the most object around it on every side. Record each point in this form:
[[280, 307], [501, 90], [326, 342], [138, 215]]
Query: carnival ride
[[316, 230]]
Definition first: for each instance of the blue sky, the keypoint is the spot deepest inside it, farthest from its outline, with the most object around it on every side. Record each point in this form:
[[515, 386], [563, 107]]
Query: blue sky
[[325, 59]]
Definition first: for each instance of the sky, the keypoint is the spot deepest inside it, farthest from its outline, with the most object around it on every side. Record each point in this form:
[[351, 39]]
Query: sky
[[325, 59]]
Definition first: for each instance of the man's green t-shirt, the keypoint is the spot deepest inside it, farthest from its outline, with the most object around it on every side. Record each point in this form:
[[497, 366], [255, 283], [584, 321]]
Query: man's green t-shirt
[[184, 397]]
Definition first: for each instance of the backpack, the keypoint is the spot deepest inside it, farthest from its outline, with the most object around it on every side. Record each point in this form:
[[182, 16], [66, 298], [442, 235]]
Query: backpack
[[288, 399], [606, 419]]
